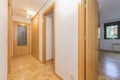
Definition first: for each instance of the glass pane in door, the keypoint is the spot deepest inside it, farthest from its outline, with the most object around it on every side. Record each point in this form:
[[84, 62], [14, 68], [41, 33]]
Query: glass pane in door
[[22, 35]]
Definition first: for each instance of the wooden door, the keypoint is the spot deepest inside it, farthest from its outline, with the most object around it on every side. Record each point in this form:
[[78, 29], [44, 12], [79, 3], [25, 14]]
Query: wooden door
[[35, 36], [92, 21], [21, 39]]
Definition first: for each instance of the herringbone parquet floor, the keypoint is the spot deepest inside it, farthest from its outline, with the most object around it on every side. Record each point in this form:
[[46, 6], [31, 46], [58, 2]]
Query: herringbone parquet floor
[[28, 68]]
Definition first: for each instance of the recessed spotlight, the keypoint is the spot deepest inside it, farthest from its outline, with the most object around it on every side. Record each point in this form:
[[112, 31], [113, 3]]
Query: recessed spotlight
[[28, 16]]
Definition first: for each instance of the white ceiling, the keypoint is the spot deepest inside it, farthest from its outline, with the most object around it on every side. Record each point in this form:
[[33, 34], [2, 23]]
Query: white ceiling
[[108, 3], [20, 6], [109, 9]]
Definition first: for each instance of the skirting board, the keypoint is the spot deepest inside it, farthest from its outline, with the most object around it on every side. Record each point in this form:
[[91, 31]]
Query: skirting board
[[109, 51], [49, 60], [54, 72], [58, 76]]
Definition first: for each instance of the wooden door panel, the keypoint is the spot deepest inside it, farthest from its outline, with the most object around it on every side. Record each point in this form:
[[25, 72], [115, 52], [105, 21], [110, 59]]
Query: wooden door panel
[[35, 36], [21, 49], [92, 39]]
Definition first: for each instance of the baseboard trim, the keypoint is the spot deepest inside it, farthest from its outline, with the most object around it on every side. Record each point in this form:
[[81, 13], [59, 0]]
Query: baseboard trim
[[45, 61], [41, 61], [49, 60], [58, 76], [109, 50], [54, 71]]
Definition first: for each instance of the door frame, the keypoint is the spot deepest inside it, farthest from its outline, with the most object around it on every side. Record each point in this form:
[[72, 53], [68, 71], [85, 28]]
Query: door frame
[[28, 40], [81, 41], [50, 9], [10, 35]]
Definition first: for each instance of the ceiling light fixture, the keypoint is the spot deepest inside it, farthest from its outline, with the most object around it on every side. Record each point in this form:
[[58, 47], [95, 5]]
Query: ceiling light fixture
[[28, 16], [29, 12]]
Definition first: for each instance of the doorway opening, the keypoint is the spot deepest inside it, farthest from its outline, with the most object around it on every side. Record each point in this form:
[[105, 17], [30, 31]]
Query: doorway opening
[[109, 39], [49, 35]]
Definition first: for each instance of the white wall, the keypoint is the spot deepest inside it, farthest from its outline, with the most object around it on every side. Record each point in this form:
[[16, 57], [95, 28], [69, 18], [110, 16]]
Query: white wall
[[66, 37], [109, 12], [3, 38], [49, 37]]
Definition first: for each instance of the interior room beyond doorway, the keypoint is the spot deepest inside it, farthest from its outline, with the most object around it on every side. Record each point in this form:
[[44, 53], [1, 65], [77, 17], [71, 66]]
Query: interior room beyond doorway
[[49, 37]]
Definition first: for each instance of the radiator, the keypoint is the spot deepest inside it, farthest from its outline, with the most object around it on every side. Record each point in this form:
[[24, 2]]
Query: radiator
[[116, 47]]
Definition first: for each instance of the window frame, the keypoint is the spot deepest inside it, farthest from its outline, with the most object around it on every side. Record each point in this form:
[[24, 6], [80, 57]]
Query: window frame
[[110, 24]]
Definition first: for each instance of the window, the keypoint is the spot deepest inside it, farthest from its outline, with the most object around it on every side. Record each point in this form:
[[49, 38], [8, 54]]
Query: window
[[22, 35], [112, 30]]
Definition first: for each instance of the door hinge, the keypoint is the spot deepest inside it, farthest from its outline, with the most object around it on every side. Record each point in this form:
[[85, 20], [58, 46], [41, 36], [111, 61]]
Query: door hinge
[[85, 38], [85, 6]]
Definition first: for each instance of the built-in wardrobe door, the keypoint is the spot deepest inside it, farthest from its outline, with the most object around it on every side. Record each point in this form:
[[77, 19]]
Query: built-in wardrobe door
[[92, 39], [35, 36]]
